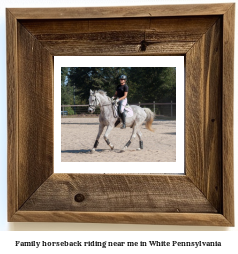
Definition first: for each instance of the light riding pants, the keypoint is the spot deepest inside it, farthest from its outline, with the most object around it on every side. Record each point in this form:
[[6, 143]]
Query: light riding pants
[[122, 104]]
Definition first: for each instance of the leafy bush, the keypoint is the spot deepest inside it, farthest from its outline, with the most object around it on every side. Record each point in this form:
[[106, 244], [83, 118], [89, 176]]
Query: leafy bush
[[70, 110]]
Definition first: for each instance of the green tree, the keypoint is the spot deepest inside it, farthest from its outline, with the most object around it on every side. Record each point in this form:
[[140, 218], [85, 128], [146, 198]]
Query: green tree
[[146, 84]]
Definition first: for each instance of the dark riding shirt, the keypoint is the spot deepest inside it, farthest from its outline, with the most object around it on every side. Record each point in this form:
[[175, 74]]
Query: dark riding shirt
[[121, 89]]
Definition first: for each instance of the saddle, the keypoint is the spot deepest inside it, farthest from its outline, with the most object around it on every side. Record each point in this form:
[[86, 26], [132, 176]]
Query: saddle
[[128, 111]]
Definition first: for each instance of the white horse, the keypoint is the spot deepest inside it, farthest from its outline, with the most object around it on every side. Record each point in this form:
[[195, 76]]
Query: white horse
[[109, 118]]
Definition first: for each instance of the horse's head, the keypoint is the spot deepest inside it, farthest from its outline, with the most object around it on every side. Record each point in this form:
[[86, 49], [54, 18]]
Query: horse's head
[[93, 102]]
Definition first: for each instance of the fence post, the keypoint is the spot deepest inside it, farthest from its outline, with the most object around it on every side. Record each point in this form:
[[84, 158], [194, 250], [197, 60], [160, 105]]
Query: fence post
[[171, 108], [154, 106]]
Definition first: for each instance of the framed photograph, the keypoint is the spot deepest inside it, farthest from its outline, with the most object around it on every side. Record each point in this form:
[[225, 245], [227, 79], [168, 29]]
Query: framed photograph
[[158, 86], [202, 34]]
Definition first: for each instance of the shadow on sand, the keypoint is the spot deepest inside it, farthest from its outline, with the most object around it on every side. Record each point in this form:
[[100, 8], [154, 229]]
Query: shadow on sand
[[85, 151], [169, 133], [83, 123]]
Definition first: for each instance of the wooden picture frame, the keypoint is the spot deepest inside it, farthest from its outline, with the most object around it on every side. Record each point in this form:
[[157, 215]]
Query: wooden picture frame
[[204, 34]]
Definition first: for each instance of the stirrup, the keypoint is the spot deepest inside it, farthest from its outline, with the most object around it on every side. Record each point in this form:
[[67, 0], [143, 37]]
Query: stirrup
[[123, 126]]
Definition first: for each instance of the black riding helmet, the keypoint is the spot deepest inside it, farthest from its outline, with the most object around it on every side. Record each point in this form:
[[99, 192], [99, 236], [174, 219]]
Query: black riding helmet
[[123, 77]]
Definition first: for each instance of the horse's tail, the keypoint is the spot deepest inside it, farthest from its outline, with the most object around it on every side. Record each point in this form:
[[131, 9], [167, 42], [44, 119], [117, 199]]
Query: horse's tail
[[149, 119]]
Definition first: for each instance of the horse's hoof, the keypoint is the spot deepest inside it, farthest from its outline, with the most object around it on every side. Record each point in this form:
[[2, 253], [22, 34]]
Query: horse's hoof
[[124, 149], [112, 147], [92, 151], [138, 149]]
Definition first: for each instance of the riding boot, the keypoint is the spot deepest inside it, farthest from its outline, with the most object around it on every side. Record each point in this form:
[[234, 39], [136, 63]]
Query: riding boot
[[123, 118]]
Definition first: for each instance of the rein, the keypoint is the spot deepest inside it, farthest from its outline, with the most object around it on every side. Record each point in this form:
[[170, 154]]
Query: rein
[[97, 103], [93, 107]]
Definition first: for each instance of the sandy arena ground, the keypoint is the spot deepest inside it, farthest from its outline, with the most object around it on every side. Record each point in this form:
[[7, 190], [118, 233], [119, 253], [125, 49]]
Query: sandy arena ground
[[78, 136]]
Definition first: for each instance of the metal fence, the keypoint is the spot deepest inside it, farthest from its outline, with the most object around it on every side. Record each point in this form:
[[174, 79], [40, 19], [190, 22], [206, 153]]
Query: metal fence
[[160, 109]]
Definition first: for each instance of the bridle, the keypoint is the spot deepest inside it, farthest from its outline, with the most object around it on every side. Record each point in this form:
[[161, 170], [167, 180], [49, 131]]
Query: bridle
[[96, 104], [93, 106]]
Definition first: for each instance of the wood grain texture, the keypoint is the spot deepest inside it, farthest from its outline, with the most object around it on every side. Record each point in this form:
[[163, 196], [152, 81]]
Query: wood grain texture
[[204, 196], [121, 12], [35, 114], [117, 193], [12, 116], [60, 48], [119, 36], [189, 26], [227, 113], [192, 219], [203, 115]]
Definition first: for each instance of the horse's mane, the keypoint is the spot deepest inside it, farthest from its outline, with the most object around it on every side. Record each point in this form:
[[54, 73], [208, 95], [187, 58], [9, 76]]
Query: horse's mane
[[101, 92]]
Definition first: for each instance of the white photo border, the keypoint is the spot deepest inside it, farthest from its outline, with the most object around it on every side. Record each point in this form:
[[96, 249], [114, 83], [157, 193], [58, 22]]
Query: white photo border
[[177, 167]]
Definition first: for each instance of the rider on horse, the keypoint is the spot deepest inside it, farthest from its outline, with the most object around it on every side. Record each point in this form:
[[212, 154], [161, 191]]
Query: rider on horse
[[121, 94]]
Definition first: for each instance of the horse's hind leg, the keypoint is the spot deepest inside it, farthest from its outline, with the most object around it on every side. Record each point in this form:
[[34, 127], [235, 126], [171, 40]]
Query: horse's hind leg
[[109, 128], [139, 134], [129, 142], [101, 127]]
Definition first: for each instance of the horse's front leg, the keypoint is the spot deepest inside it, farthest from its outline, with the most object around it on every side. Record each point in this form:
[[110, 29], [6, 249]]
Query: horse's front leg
[[101, 127], [109, 128]]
